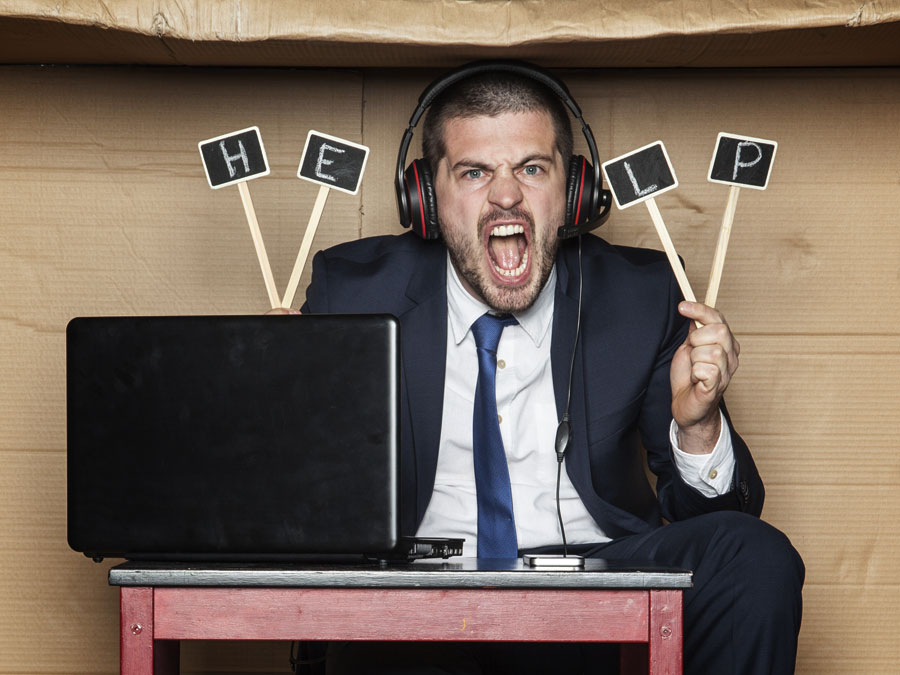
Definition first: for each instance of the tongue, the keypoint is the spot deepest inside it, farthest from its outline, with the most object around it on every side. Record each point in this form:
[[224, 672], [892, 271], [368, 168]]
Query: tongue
[[507, 251]]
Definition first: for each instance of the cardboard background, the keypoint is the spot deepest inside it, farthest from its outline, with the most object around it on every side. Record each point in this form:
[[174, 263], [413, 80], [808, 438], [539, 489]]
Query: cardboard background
[[105, 210], [428, 33]]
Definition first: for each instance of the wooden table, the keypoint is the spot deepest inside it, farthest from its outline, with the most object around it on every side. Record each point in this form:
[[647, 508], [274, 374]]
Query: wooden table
[[456, 600]]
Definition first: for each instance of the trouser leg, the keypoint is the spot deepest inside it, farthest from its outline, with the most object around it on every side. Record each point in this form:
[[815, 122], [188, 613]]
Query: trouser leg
[[742, 615]]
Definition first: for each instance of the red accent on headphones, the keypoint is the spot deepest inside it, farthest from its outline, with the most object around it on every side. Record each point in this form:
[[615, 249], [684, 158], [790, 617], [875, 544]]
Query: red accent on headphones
[[419, 191], [580, 190]]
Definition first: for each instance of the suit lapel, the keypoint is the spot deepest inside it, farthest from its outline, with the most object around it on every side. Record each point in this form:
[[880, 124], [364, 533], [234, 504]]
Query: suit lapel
[[565, 315], [614, 521], [424, 349], [565, 318]]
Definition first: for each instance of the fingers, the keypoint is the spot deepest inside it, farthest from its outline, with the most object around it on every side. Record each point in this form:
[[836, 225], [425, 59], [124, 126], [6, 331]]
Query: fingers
[[700, 312], [714, 329], [714, 334], [714, 350], [716, 354], [710, 368]]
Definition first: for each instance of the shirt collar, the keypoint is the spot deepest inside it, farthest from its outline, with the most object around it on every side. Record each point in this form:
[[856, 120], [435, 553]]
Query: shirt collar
[[463, 310]]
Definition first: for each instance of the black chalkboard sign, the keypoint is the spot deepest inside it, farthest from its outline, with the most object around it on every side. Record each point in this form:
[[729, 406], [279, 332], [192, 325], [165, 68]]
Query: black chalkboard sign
[[742, 161], [333, 162], [640, 174], [234, 157]]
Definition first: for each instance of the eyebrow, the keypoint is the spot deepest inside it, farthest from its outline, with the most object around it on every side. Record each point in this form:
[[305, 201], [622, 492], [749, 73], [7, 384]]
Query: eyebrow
[[536, 157], [472, 164]]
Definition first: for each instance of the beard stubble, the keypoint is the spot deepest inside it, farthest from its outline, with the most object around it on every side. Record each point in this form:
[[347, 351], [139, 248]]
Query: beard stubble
[[467, 255]]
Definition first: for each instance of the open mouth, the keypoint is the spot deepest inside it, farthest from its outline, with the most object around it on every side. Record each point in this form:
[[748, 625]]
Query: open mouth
[[507, 248]]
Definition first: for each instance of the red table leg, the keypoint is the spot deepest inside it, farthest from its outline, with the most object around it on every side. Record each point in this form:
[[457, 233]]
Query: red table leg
[[666, 632], [139, 653]]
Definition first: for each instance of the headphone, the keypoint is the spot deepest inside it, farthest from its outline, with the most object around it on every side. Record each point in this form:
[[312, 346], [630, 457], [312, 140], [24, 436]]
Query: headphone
[[587, 203]]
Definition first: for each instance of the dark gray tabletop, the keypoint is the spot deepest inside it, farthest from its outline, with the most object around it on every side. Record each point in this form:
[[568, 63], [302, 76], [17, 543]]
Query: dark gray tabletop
[[452, 573]]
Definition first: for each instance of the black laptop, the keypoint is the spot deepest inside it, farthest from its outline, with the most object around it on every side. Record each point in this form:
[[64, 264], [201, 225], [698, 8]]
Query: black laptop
[[233, 437]]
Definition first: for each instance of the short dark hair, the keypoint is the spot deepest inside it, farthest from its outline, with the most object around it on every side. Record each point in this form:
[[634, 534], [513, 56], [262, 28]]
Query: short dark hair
[[491, 94]]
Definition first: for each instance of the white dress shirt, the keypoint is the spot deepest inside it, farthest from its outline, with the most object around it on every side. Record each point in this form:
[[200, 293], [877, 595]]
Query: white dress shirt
[[527, 409]]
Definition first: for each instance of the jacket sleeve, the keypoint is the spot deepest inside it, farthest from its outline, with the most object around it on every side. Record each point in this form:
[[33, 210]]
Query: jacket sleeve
[[677, 499], [316, 292]]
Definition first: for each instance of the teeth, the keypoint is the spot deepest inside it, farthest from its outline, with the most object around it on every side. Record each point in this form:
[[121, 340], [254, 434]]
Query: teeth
[[519, 270], [507, 230]]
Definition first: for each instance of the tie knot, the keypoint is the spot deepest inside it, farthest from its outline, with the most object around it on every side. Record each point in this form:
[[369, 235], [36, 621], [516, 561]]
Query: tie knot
[[487, 330]]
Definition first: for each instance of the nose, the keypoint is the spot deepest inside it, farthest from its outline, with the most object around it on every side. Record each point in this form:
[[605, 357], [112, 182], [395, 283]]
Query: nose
[[505, 190]]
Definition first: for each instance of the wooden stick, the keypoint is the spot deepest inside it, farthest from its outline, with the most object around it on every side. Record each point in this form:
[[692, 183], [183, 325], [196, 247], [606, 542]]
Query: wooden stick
[[715, 276], [669, 247], [305, 245], [260, 246]]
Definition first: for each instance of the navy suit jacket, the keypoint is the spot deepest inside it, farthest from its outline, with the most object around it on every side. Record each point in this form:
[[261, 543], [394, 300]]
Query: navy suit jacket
[[621, 396]]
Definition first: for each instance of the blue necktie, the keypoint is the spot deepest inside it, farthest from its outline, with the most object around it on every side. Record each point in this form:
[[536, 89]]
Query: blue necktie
[[496, 524]]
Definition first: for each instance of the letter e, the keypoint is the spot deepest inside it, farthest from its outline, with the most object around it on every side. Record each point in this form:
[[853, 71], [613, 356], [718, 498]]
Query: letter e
[[322, 161]]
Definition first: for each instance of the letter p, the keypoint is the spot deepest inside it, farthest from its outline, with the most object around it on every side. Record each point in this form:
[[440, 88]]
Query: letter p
[[738, 164]]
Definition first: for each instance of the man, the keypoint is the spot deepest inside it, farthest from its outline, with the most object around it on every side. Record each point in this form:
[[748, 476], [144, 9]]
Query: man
[[498, 145]]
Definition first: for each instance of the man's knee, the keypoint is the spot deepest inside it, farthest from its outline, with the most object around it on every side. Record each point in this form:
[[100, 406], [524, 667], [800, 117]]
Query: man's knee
[[758, 549], [746, 603]]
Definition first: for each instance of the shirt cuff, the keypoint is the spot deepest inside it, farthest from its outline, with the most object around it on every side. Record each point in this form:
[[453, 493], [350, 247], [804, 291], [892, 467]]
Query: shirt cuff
[[711, 475]]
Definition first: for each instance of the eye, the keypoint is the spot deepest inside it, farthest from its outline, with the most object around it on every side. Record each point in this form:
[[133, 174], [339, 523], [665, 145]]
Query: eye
[[474, 174], [532, 170]]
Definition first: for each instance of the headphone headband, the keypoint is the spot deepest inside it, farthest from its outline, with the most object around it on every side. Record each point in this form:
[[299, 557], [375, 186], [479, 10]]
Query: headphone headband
[[433, 90], [597, 199]]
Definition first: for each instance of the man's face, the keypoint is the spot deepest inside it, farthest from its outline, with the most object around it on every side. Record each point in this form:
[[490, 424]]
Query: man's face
[[500, 191]]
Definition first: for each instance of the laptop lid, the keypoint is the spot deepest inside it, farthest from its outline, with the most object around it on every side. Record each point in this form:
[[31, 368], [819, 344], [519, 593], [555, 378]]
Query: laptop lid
[[232, 436]]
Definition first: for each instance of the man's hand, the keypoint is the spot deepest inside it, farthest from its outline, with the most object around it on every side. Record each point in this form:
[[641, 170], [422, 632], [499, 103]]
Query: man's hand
[[282, 310], [701, 370]]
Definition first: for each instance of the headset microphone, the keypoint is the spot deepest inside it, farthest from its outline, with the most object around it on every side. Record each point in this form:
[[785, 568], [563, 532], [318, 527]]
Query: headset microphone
[[563, 434]]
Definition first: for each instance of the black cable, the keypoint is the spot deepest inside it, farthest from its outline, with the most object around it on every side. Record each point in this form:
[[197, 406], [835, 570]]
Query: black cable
[[564, 431], [562, 527], [577, 329]]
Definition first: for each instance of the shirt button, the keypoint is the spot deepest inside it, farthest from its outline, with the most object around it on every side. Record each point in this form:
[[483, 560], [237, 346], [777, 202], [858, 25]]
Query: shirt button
[[500, 419], [501, 364], [712, 474]]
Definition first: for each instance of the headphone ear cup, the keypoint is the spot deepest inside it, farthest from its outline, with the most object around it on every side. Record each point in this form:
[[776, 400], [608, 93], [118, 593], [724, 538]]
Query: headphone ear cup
[[419, 186], [429, 202], [579, 188]]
